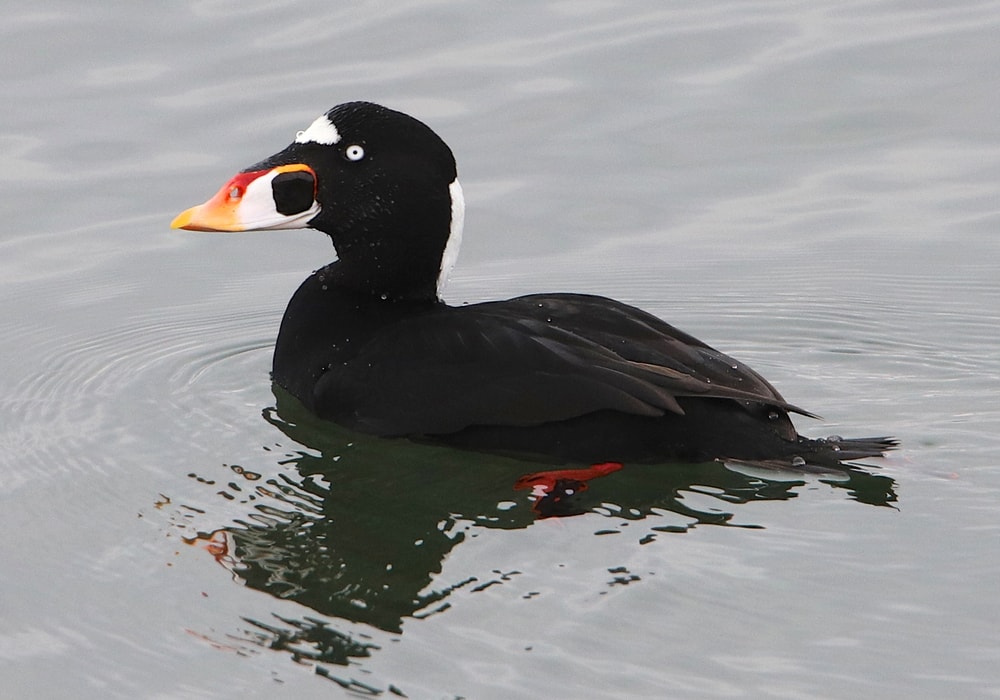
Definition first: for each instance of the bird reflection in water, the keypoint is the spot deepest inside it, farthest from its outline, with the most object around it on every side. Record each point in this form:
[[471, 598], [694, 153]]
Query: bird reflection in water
[[356, 528]]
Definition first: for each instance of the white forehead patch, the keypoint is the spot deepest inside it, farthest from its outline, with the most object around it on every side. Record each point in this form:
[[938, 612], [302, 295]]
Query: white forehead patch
[[321, 131]]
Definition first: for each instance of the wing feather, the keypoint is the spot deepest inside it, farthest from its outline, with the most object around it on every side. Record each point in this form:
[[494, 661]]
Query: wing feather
[[528, 361]]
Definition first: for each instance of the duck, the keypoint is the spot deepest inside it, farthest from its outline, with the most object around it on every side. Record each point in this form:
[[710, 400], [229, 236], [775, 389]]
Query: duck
[[368, 342]]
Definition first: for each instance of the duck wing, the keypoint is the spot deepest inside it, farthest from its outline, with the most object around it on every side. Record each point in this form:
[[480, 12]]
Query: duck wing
[[643, 338], [524, 362]]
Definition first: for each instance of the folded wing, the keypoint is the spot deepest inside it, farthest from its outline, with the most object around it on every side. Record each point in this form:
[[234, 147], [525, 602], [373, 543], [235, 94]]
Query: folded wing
[[528, 361]]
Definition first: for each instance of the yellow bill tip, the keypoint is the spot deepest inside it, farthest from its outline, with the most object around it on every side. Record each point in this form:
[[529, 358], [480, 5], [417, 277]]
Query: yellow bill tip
[[183, 220]]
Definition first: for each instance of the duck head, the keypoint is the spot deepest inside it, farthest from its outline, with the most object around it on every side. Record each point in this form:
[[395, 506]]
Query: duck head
[[380, 183]]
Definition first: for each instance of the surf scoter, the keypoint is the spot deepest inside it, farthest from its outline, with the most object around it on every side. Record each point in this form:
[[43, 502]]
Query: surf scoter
[[367, 341]]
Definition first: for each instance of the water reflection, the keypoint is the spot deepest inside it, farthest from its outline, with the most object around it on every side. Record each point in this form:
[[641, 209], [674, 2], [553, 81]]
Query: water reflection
[[359, 529]]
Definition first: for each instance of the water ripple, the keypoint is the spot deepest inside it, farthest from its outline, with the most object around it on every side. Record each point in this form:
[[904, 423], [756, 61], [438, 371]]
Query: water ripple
[[97, 387]]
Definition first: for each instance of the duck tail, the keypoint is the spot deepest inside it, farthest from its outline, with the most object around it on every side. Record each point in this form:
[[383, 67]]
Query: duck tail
[[835, 450], [827, 454]]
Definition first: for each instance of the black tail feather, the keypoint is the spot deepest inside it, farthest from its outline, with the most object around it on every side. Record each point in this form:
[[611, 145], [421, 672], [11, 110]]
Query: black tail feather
[[824, 454]]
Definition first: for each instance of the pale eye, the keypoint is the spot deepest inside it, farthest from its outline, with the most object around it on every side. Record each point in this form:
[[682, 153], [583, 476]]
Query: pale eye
[[354, 153]]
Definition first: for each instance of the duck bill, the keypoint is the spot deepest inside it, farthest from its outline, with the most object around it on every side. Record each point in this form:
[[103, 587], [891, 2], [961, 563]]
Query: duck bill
[[278, 198]]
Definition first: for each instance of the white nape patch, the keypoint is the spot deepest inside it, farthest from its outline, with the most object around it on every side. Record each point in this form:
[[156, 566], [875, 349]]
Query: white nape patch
[[321, 131], [450, 255]]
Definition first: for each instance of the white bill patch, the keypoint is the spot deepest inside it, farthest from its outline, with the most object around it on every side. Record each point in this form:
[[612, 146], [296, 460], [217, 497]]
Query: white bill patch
[[450, 255], [321, 131], [257, 211]]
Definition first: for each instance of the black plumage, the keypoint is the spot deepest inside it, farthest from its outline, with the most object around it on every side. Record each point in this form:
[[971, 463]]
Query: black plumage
[[367, 342]]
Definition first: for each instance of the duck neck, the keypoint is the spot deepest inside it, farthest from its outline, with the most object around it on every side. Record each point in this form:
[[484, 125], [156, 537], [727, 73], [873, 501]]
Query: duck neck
[[384, 278], [399, 253]]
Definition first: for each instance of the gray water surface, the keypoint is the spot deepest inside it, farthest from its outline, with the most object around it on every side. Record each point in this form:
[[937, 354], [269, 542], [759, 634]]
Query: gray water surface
[[813, 189]]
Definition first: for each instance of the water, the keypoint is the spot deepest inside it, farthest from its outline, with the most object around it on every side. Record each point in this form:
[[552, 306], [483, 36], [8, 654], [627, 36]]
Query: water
[[811, 189]]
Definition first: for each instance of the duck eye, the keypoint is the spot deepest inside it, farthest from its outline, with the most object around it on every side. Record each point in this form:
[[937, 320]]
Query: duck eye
[[354, 153], [235, 193]]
